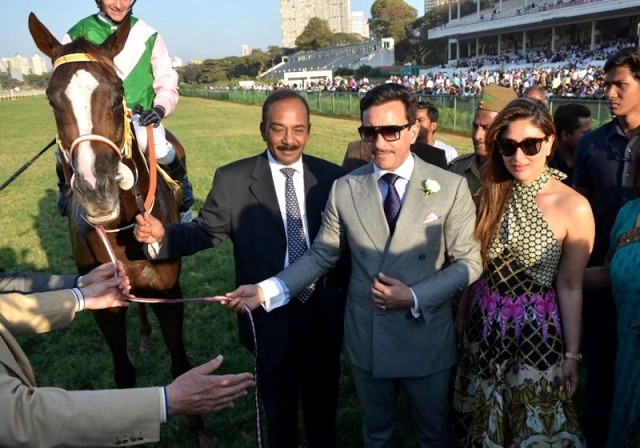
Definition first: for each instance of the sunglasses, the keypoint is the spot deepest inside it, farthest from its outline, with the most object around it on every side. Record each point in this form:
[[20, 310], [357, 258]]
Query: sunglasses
[[530, 146], [390, 133]]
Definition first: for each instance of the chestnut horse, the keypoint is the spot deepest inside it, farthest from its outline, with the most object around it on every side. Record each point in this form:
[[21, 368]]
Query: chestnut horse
[[109, 184]]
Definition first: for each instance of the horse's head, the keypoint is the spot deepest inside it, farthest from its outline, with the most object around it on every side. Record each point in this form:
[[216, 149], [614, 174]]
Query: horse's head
[[87, 95]]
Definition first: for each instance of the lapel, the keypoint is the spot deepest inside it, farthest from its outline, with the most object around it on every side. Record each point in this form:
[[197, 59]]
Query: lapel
[[264, 191], [414, 208], [368, 207], [315, 198]]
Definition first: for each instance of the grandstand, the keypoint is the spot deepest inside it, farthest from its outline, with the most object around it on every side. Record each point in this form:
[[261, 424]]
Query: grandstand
[[510, 28], [309, 66]]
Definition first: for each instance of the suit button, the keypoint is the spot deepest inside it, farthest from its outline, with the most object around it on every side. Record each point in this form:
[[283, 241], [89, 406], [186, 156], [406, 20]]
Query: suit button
[[422, 257], [363, 254]]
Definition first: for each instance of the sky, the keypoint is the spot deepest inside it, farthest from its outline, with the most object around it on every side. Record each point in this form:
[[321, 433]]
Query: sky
[[191, 28]]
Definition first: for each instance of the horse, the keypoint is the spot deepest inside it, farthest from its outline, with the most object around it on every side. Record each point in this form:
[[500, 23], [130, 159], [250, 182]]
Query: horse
[[110, 179]]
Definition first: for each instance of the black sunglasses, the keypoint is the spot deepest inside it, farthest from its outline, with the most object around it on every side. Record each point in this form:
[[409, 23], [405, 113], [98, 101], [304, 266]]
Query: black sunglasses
[[530, 146], [390, 133]]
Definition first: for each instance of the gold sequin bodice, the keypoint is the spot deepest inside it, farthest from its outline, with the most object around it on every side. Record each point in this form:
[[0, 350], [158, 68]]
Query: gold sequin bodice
[[525, 232]]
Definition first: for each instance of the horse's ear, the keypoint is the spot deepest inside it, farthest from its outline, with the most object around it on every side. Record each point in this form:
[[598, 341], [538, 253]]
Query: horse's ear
[[115, 42], [43, 38]]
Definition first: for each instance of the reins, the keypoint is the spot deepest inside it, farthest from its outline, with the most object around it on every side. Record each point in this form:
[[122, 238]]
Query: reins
[[102, 233], [126, 152], [153, 170]]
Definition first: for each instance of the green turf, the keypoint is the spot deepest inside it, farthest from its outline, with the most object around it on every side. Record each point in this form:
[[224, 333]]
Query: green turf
[[34, 237]]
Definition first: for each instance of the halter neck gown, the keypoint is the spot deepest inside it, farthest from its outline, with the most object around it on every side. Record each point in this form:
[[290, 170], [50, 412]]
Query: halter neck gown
[[507, 386]]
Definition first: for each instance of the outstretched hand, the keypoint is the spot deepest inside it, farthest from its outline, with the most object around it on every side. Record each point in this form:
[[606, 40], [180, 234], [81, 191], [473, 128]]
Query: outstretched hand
[[107, 286], [148, 229], [197, 392], [250, 296], [107, 271]]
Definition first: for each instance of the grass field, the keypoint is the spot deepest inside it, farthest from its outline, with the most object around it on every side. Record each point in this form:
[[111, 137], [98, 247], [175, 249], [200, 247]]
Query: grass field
[[33, 237]]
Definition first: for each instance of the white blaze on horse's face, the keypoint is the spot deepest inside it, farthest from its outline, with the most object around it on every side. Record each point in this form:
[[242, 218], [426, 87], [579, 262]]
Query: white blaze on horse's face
[[79, 92]]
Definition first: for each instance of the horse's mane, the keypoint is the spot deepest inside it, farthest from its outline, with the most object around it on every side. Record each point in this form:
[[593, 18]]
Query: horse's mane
[[103, 57]]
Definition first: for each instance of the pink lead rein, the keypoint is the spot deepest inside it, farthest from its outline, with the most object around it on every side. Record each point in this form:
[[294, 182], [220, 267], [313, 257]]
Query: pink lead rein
[[103, 236]]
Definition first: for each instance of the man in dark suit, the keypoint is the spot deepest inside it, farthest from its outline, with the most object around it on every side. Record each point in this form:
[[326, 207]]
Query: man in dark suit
[[299, 344], [358, 154], [409, 227]]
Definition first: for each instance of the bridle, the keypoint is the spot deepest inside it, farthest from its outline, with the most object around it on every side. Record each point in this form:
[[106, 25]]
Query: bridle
[[126, 152], [67, 153], [123, 152]]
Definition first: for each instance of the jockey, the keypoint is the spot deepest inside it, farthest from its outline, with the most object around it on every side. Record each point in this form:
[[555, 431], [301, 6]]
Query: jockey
[[150, 85]]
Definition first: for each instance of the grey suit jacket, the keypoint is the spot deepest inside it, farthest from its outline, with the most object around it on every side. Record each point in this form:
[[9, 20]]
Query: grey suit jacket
[[48, 416], [433, 251], [28, 282]]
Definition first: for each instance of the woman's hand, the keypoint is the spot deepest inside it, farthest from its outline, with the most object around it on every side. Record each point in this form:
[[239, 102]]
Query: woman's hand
[[569, 376]]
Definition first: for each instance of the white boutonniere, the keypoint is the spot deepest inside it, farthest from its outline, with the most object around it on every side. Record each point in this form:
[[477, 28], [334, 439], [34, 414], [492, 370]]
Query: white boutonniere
[[430, 186]]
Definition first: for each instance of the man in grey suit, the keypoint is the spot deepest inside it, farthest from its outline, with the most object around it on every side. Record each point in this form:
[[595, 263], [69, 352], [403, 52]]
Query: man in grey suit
[[406, 265]]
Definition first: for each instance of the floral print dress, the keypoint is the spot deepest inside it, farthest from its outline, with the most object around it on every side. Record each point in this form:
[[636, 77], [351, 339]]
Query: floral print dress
[[507, 391]]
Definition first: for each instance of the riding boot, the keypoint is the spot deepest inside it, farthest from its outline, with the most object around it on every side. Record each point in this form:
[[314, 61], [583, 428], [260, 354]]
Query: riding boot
[[178, 171], [61, 202]]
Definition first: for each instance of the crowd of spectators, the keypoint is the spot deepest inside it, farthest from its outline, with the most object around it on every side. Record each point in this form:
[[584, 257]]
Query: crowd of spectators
[[583, 82], [577, 54], [572, 71]]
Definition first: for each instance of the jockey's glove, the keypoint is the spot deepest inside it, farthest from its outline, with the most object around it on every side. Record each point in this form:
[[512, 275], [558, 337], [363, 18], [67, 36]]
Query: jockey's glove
[[152, 116]]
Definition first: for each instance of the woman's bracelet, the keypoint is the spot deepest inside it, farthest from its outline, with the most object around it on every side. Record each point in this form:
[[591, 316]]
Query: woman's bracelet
[[573, 356]]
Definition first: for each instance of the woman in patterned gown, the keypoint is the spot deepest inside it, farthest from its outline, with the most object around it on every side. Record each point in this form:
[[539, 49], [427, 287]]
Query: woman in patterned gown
[[518, 366]]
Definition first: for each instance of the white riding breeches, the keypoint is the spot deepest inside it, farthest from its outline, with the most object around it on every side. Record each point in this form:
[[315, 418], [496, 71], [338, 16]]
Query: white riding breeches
[[164, 150]]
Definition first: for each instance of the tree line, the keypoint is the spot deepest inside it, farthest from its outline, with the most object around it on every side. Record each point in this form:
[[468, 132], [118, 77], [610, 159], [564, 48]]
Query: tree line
[[389, 18]]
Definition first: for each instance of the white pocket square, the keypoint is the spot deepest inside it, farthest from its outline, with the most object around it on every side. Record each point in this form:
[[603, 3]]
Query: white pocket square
[[431, 217]]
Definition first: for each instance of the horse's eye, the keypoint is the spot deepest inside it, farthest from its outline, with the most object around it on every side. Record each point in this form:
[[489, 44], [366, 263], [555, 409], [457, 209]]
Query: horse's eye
[[52, 104], [49, 96]]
